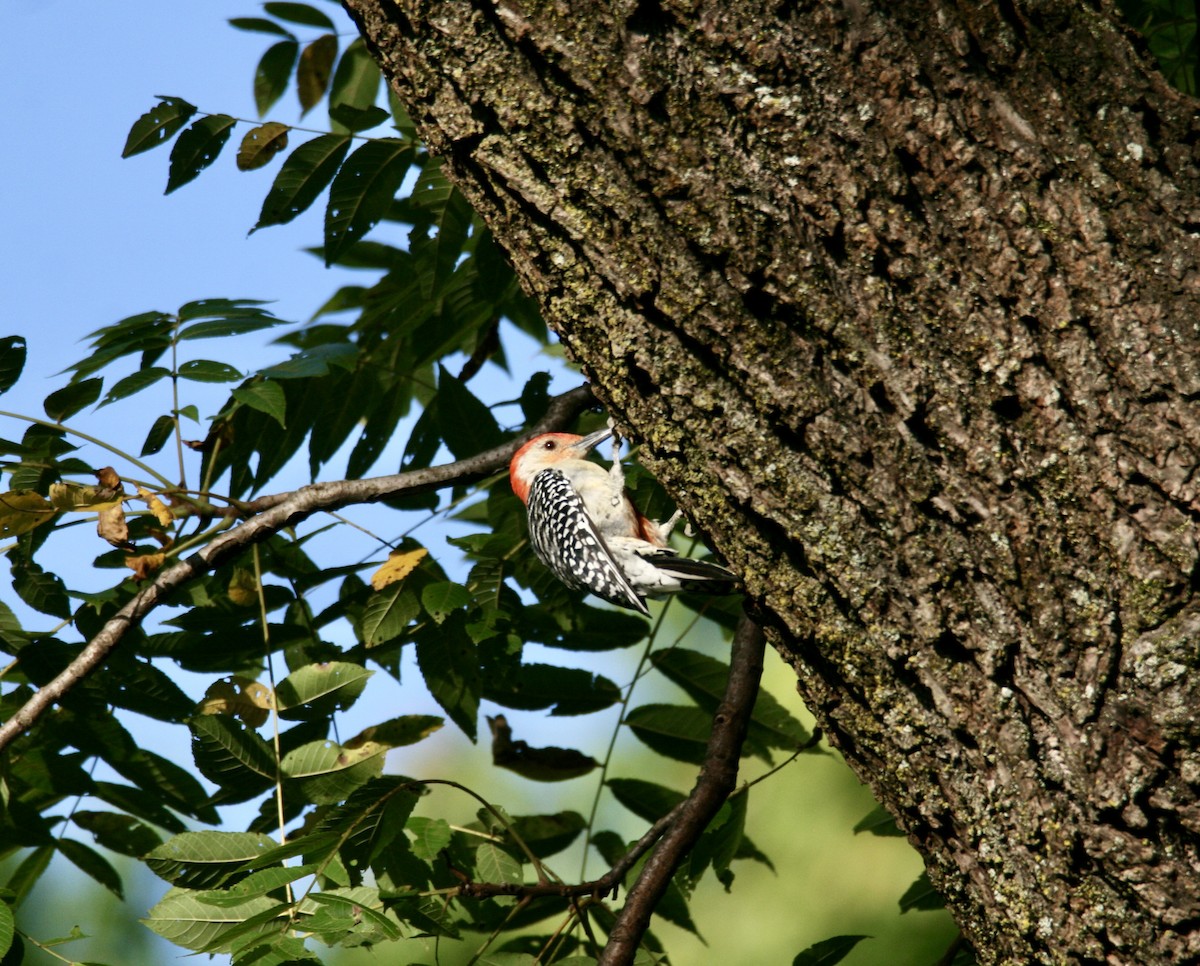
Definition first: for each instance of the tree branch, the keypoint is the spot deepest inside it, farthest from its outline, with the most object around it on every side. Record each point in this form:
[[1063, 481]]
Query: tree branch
[[279, 511], [718, 775]]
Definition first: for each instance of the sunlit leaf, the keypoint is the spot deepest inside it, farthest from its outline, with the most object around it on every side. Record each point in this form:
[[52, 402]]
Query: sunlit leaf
[[239, 697], [362, 191], [305, 173], [320, 689], [328, 772], [201, 860], [7, 928], [314, 70], [265, 396], [405, 730], [443, 598], [261, 144], [388, 614], [197, 148], [186, 921], [157, 125], [400, 563], [21, 511], [12, 361], [429, 836]]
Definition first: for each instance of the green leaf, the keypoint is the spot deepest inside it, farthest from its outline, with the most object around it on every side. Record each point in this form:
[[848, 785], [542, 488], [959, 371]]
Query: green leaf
[[220, 328], [181, 917], [879, 821], [265, 396], [676, 731], [91, 862], [646, 800], [12, 361], [274, 71], [42, 591], [258, 25], [387, 614], [429, 836], [443, 598], [159, 433], [300, 13], [123, 834], [467, 425], [355, 85], [314, 71], [827, 952], [318, 690], [354, 119], [205, 370], [922, 896], [203, 860], [157, 125], [328, 772], [231, 755], [494, 864], [7, 928], [135, 382], [449, 662], [197, 148], [305, 173], [66, 402], [261, 144], [363, 191], [28, 873], [566, 690]]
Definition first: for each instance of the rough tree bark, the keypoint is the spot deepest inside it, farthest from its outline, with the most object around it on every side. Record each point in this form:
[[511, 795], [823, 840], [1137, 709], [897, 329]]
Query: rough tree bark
[[902, 300]]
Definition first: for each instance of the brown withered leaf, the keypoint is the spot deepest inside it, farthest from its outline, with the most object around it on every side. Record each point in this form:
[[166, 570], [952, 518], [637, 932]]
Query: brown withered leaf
[[547, 764], [109, 478], [112, 526], [399, 565], [145, 564]]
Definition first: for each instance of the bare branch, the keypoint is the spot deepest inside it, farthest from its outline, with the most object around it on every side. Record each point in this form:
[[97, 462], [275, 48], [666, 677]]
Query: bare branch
[[277, 512], [718, 775]]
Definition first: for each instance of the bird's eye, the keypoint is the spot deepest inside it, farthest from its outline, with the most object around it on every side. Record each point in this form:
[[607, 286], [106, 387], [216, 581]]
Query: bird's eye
[[549, 444]]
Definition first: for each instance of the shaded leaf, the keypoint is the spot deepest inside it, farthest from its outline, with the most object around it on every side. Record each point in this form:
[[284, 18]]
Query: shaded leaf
[[677, 731], [206, 370], [300, 13], [314, 70], [42, 591], [878, 821], [305, 173], [827, 952], [449, 663], [258, 25], [159, 433], [69, 400], [273, 72], [12, 361], [157, 125], [92, 863], [548, 764], [118, 833], [197, 148], [135, 382], [261, 144], [362, 192], [443, 598], [467, 426], [922, 896]]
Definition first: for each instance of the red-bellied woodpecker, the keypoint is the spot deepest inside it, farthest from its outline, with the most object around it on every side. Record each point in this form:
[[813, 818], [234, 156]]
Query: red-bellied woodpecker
[[584, 527]]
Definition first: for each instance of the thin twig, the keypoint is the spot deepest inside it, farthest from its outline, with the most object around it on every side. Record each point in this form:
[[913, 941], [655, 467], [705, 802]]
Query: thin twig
[[288, 509], [717, 779]]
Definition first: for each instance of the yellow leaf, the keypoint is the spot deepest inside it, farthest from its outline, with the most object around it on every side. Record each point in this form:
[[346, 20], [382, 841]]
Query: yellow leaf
[[243, 588], [399, 565], [21, 511], [157, 507], [238, 696], [73, 496], [112, 526]]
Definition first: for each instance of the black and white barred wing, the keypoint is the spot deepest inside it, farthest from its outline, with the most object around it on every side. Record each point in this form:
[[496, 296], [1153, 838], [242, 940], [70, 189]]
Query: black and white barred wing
[[567, 541]]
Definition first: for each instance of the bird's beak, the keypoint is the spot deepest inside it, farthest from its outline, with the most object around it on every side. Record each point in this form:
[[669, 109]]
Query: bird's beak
[[591, 440]]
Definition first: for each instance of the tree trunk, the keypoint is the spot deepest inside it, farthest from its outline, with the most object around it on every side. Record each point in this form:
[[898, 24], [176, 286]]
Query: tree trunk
[[902, 300]]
